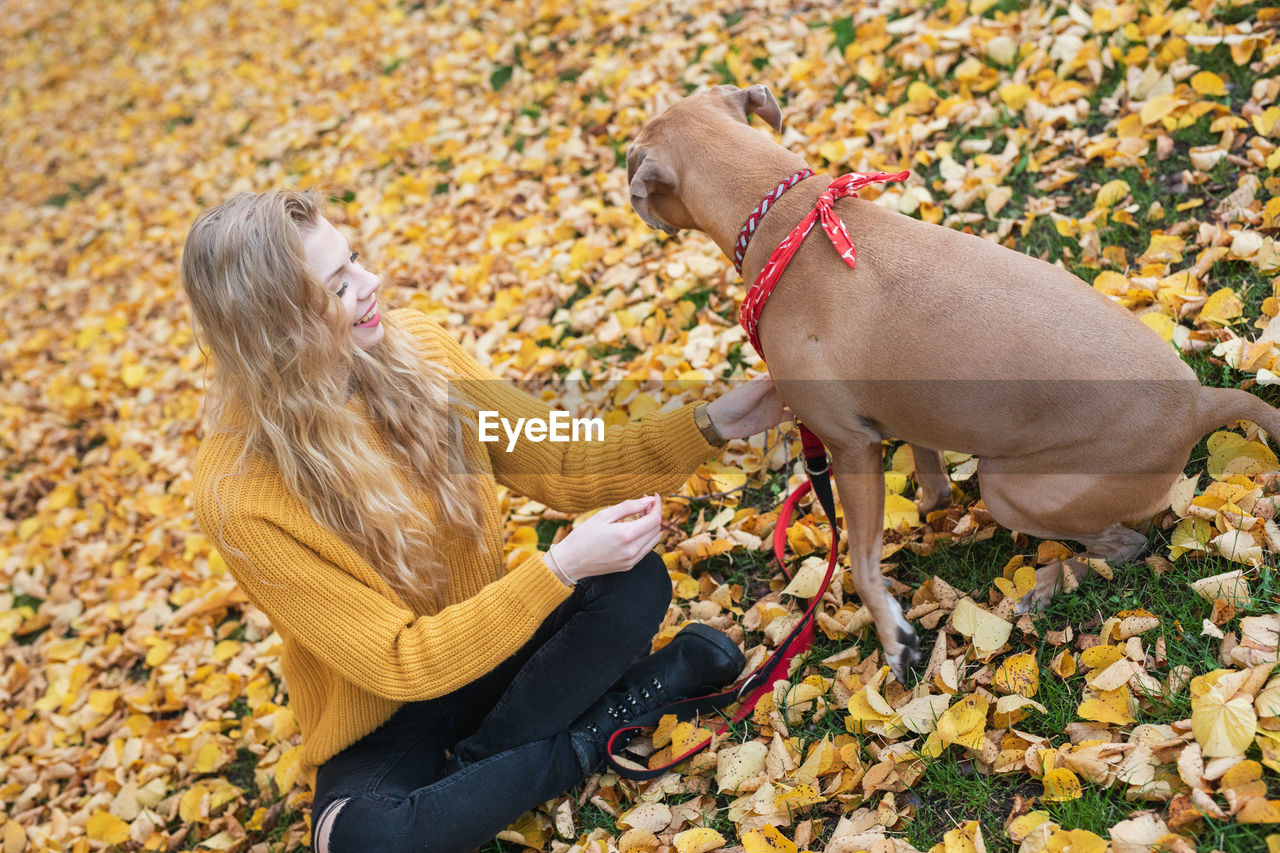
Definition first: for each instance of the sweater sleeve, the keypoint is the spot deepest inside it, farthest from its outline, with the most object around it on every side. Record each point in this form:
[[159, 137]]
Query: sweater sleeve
[[659, 452], [369, 638]]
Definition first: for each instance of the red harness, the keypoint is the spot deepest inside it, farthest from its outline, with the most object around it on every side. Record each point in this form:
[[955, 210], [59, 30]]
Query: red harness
[[841, 187]]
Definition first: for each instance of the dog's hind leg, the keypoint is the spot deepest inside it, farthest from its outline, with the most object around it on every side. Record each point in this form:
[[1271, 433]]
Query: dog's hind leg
[[1077, 507], [1117, 543], [931, 477], [859, 475]]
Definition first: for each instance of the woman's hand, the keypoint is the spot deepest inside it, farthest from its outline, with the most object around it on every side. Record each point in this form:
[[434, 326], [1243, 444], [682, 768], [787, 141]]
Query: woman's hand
[[605, 543], [752, 407]]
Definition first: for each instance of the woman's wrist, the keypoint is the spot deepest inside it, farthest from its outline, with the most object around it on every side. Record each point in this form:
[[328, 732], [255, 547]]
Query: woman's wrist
[[554, 566], [702, 418]]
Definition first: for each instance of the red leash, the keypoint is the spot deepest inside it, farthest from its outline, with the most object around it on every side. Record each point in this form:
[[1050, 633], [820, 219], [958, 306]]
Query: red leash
[[748, 691], [761, 680]]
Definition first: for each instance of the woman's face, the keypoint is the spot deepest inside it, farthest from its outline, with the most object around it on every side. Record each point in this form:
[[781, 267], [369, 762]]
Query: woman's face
[[330, 257]]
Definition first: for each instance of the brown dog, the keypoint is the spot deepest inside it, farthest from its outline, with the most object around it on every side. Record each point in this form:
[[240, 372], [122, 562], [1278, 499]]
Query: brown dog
[[1082, 416]]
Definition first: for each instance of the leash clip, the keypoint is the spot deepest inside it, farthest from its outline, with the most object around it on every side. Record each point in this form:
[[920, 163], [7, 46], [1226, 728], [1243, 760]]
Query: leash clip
[[817, 472], [748, 684]]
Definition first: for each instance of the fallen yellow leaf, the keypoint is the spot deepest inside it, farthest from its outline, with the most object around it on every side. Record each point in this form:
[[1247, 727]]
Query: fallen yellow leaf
[[107, 828], [1076, 841], [1009, 710], [966, 838], [736, 764], [1018, 674], [1061, 786], [1015, 95], [1208, 83], [1109, 195], [767, 840], [988, 631], [965, 722], [699, 840], [1022, 825], [687, 736], [1023, 582], [900, 513], [1107, 706], [288, 768], [1222, 719]]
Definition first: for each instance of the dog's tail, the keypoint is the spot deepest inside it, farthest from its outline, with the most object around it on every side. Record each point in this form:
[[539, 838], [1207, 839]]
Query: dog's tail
[[1221, 406]]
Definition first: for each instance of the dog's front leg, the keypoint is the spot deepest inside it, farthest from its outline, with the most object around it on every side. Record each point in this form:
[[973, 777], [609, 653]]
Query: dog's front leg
[[859, 475]]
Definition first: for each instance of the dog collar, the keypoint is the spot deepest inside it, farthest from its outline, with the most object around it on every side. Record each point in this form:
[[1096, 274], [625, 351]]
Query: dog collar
[[749, 227], [841, 187]]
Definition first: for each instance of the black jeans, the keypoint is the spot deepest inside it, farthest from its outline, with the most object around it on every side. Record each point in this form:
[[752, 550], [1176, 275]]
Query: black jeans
[[509, 727]]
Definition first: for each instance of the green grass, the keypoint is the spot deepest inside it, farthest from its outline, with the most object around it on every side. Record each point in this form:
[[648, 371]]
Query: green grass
[[1249, 284], [1232, 837], [965, 795], [240, 772], [1097, 810], [287, 818], [969, 567]]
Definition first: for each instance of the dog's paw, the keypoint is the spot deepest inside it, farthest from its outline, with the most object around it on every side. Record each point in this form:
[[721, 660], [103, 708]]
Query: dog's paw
[[926, 502], [1058, 576], [1031, 603], [906, 656]]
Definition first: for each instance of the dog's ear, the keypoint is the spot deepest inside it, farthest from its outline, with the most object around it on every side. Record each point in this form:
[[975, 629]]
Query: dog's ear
[[647, 174], [759, 101]]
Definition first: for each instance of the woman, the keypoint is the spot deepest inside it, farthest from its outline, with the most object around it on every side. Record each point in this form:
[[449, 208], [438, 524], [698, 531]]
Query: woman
[[439, 695]]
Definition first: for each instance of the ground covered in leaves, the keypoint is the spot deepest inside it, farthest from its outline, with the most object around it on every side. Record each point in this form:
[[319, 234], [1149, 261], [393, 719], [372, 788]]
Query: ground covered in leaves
[[475, 154]]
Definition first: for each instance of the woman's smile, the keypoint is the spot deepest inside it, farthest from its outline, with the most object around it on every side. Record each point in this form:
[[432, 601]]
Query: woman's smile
[[370, 318]]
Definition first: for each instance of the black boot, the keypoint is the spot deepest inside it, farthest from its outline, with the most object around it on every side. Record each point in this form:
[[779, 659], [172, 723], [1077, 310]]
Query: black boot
[[698, 660]]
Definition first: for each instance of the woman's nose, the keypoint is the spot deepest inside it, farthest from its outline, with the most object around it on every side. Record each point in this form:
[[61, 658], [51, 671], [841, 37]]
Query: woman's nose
[[370, 284]]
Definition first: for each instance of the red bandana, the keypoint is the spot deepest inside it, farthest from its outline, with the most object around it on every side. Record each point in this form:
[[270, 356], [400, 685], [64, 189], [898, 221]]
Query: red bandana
[[841, 187]]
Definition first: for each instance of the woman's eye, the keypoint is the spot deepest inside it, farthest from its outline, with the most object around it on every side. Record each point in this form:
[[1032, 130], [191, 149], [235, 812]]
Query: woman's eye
[[343, 289]]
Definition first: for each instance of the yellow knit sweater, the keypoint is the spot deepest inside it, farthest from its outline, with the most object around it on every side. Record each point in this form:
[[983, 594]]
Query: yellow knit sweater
[[353, 650]]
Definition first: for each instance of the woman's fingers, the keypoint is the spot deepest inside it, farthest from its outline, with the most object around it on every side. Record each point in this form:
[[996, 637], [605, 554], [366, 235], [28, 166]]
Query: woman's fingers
[[605, 543], [639, 535], [642, 527], [612, 513]]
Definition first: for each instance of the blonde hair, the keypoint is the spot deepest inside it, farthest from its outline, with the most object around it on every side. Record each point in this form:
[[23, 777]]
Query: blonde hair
[[284, 367]]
